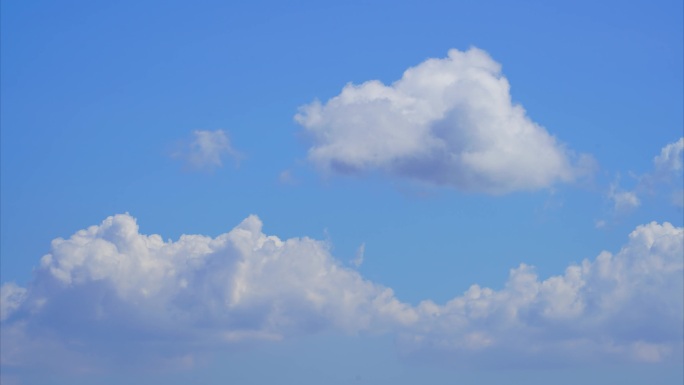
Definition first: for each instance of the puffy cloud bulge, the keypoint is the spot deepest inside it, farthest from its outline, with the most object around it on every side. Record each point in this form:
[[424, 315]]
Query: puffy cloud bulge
[[447, 121], [109, 290]]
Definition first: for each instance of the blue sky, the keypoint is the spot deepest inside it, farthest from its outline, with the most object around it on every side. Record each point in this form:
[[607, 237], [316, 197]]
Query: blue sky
[[535, 133]]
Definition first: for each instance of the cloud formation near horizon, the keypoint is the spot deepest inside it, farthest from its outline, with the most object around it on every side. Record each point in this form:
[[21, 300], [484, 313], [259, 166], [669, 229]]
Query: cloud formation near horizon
[[110, 292], [447, 121]]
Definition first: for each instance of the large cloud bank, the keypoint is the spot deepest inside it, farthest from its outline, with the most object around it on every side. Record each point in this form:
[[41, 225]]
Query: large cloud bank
[[447, 121], [111, 292], [624, 305]]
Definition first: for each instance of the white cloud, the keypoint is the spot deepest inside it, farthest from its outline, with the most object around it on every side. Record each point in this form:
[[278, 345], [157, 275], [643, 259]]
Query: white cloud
[[623, 201], [360, 254], [626, 200], [109, 292], [11, 297], [667, 171], [207, 149], [670, 158], [109, 283], [623, 305], [447, 121]]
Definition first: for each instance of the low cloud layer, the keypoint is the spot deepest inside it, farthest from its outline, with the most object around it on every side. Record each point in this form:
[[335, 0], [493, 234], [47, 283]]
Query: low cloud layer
[[109, 293], [447, 121], [627, 305]]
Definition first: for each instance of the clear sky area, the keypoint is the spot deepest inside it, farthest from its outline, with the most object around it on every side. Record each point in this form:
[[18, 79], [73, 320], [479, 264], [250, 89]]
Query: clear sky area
[[352, 192]]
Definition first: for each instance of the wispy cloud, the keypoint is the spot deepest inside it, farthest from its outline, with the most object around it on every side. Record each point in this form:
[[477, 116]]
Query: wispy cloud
[[11, 297], [665, 175], [447, 121], [111, 293], [360, 255], [286, 177], [207, 149], [623, 201]]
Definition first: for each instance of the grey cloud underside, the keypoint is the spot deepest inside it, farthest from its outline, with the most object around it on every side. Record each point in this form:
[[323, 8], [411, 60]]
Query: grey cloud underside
[[448, 122], [111, 292]]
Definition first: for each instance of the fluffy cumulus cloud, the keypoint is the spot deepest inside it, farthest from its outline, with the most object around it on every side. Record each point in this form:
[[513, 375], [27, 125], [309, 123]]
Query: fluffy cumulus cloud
[[111, 293], [669, 165], [670, 157], [447, 121], [110, 290], [207, 149], [624, 305]]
